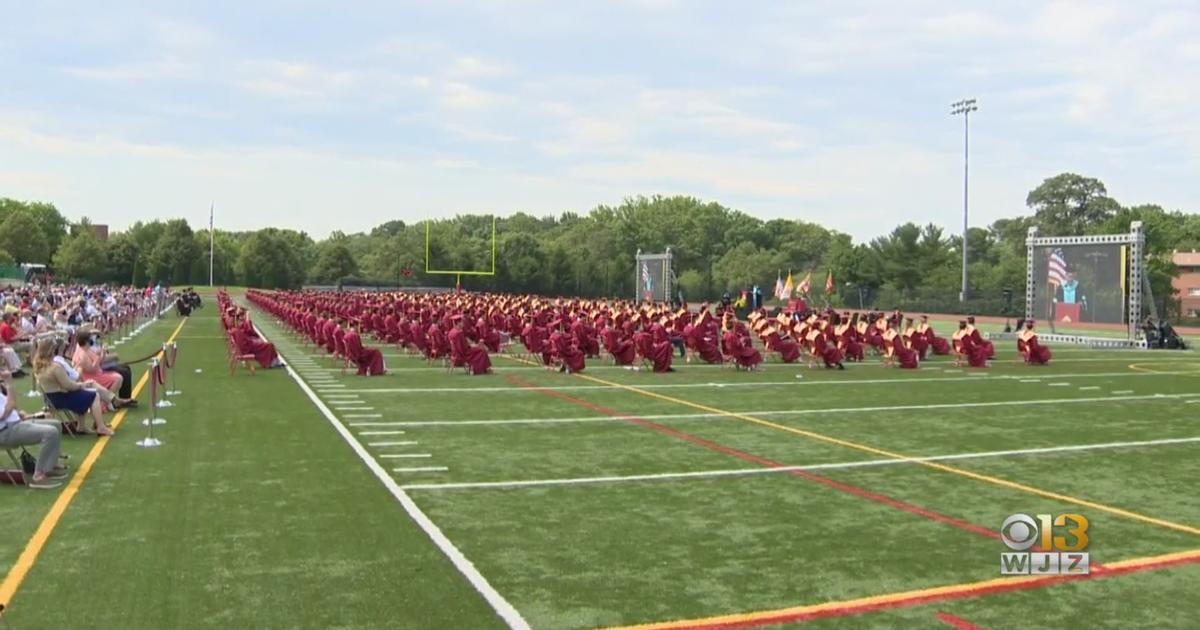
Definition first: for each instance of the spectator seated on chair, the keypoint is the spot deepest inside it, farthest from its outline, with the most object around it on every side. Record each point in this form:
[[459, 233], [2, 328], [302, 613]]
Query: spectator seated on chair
[[18, 429], [65, 392], [14, 347], [88, 356], [110, 400]]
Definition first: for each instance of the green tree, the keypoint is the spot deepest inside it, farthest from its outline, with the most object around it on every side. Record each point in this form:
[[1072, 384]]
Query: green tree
[[81, 257], [334, 263], [23, 239], [171, 258], [1068, 204]]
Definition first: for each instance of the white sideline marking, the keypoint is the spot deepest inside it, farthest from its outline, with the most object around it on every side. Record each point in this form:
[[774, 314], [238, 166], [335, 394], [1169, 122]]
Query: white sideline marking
[[333, 396], [1195, 400], [381, 433], [928, 364], [1059, 384], [352, 407], [793, 383], [403, 455], [1090, 387], [1031, 380], [391, 443], [362, 415], [444, 469], [763, 471], [502, 607], [781, 412], [1122, 391]]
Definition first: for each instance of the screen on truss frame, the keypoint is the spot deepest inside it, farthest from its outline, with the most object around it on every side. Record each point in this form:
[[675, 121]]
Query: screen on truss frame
[[1080, 283], [652, 279]]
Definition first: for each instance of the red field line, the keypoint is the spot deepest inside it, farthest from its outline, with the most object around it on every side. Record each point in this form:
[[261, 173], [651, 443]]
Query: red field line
[[954, 621], [762, 461]]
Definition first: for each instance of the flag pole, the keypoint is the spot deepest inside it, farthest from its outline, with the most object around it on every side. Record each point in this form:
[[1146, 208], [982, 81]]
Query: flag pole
[[211, 242]]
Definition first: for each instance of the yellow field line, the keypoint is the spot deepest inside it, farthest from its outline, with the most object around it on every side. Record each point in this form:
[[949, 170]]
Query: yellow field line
[[875, 601], [1004, 483], [16, 575]]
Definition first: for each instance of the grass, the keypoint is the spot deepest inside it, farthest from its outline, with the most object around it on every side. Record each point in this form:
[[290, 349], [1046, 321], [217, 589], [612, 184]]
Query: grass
[[257, 514]]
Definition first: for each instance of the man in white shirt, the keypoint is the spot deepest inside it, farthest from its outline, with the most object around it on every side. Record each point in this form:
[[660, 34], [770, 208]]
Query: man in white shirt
[[17, 429]]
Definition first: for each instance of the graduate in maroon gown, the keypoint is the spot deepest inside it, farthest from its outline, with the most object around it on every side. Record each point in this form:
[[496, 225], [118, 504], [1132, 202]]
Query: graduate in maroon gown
[[847, 339], [436, 346], [989, 349], [463, 354], [740, 348], [661, 349], [563, 349], [617, 345], [776, 341], [915, 340], [966, 350], [896, 352], [937, 344], [1029, 347], [368, 360], [706, 336], [263, 351]]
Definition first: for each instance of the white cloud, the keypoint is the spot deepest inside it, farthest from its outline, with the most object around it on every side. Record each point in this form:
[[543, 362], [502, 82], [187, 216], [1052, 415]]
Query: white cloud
[[458, 95], [472, 67]]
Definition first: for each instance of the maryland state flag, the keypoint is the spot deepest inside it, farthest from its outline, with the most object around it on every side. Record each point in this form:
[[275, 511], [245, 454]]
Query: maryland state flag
[[829, 283], [805, 284]]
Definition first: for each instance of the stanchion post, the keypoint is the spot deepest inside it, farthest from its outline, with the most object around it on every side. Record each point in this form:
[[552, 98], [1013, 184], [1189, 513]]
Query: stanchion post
[[173, 353], [150, 441]]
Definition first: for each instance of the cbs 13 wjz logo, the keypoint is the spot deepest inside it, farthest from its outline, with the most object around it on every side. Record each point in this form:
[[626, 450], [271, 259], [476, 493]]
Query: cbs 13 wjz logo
[[1044, 544]]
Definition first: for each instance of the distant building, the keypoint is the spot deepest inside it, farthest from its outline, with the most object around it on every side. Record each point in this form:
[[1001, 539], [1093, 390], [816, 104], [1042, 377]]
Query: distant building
[[99, 231], [1188, 282]]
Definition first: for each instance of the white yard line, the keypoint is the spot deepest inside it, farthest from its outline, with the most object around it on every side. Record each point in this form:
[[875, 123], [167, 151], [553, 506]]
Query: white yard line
[[1117, 392], [362, 415], [792, 383], [503, 608], [735, 472], [781, 412], [381, 433], [406, 455], [444, 469], [406, 443]]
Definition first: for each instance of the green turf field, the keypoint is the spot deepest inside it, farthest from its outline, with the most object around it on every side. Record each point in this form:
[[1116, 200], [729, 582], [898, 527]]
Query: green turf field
[[614, 497]]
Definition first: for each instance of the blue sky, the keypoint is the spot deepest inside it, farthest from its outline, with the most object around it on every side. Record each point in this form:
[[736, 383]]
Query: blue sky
[[323, 116]]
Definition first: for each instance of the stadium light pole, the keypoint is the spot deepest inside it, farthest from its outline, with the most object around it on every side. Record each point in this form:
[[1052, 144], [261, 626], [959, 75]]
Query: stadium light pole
[[964, 107]]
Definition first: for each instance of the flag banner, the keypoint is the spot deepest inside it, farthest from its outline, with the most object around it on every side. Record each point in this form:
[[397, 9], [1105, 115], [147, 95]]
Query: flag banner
[[788, 287], [829, 284], [779, 288], [805, 284]]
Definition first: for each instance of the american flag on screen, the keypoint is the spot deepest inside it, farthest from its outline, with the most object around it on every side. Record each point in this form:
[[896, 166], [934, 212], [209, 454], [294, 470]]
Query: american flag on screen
[[647, 283], [1058, 267]]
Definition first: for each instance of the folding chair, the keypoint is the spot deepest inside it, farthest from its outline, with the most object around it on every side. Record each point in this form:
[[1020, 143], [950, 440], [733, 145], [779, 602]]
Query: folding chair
[[246, 360], [15, 475]]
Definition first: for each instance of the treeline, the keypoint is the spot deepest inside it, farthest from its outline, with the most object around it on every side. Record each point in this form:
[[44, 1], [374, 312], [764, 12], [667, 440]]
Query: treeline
[[717, 250]]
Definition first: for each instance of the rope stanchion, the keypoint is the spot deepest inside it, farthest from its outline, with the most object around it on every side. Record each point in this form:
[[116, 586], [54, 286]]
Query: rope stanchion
[[172, 360], [164, 366], [150, 441]]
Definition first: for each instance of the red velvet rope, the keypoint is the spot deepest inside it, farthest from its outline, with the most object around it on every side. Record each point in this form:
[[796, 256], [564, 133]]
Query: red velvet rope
[[160, 374], [154, 380], [168, 358]]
